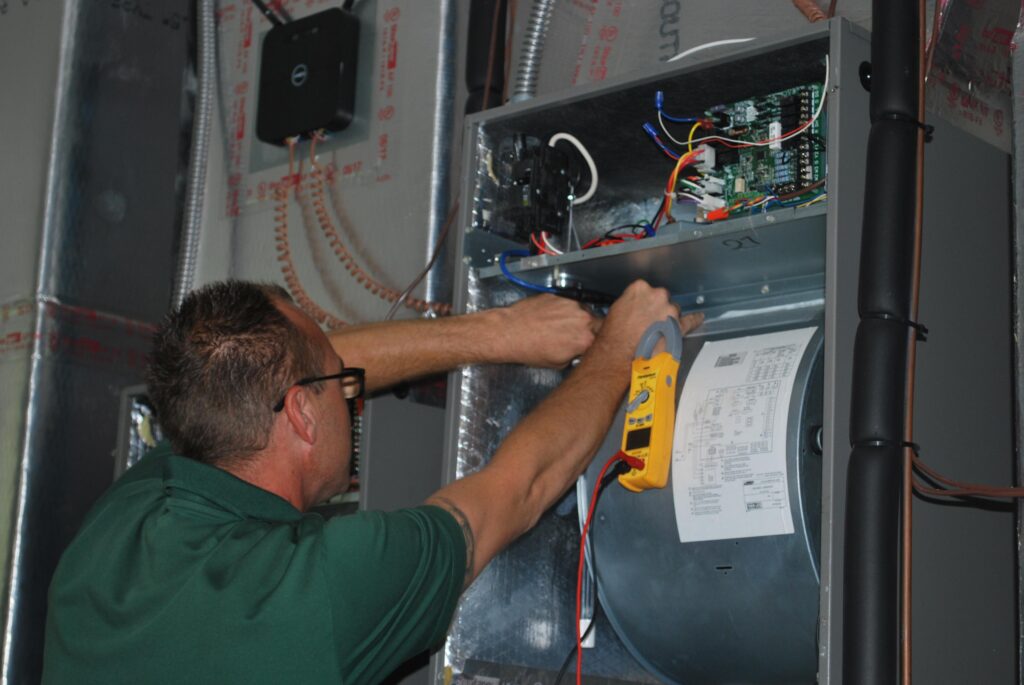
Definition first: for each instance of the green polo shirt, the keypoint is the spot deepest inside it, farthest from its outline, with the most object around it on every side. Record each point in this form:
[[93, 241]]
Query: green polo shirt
[[183, 573]]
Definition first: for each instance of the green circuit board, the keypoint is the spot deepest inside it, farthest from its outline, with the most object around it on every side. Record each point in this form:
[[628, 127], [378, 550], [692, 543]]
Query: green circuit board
[[779, 169]]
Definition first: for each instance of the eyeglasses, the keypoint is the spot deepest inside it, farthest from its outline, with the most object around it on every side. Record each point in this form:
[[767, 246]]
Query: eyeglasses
[[353, 384]]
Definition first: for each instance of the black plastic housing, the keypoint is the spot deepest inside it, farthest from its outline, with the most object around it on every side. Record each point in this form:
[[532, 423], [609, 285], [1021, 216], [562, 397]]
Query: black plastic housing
[[308, 76]]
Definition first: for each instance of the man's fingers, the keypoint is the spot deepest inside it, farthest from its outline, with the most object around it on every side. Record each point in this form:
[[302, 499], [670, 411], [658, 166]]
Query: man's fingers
[[690, 321]]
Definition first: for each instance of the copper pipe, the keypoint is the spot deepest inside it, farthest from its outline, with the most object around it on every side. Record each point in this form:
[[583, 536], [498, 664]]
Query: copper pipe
[[810, 9], [906, 579]]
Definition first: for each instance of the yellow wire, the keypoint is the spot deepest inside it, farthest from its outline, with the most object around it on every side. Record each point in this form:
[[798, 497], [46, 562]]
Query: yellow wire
[[673, 179], [820, 198], [689, 140]]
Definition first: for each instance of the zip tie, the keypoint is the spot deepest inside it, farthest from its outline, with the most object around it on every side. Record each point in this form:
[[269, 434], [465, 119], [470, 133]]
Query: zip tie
[[922, 330], [928, 129]]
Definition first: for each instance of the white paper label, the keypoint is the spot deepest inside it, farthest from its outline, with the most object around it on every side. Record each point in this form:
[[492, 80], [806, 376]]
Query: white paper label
[[729, 449]]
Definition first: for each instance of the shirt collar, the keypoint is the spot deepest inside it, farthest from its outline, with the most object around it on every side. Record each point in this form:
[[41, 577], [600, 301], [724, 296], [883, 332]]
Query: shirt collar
[[228, 491]]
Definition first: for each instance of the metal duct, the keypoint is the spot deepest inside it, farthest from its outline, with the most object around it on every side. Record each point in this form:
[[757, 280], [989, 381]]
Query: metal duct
[[92, 205], [969, 75], [1017, 176]]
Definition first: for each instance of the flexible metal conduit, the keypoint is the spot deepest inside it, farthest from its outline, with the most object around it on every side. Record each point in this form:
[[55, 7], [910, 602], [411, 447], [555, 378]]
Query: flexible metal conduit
[[881, 354], [206, 65], [532, 50]]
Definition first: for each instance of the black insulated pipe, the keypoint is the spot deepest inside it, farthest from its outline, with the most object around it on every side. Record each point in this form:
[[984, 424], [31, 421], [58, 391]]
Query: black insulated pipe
[[871, 611], [482, 23]]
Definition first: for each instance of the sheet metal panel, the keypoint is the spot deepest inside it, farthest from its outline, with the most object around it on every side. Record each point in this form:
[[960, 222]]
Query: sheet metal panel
[[519, 612], [963, 416]]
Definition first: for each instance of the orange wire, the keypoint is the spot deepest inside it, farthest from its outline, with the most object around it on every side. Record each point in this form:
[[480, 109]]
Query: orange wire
[[670, 187]]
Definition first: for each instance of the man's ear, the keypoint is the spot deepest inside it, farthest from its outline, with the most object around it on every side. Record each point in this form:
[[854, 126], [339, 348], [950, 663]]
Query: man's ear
[[300, 412]]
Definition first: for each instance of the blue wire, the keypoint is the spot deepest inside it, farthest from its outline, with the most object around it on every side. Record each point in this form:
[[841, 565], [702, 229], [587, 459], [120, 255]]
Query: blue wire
[[659, 102], [515, 279], [653, 135]]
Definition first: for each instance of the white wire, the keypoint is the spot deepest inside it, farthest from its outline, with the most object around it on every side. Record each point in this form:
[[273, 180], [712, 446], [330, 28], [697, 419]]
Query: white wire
[[705, 46], [746, 143], [568, 137], [547, 243]]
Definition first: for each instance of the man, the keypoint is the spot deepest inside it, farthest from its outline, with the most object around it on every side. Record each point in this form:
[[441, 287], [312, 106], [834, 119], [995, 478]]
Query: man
[[200, 565]]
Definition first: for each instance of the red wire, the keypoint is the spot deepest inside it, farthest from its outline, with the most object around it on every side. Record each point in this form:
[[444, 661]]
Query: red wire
[[579, 570], [796, 130]]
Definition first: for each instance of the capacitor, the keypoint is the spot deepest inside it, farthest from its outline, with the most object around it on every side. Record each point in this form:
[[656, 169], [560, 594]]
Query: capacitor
[[739, 185]]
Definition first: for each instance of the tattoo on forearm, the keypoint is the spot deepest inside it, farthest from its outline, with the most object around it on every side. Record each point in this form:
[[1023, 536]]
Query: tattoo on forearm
[[467, 533]]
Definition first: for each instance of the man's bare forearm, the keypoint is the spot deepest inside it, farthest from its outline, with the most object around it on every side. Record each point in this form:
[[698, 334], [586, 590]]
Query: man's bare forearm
[[552, 446], [393, 352], [539, 331], [540, 459]]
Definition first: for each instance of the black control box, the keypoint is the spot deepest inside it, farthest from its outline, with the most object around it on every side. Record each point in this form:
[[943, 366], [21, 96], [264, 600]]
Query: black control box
[[535, 182], [308, 76]]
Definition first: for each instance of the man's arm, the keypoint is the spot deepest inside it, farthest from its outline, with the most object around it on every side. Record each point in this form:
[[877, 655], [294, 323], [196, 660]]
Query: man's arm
[[544, 330], [552, 446]]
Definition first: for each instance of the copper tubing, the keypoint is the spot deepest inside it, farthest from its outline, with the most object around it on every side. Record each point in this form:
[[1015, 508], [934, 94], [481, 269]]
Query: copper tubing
[[810, 9], [284, 255], [316, 193], [906, 578], [291, 279]]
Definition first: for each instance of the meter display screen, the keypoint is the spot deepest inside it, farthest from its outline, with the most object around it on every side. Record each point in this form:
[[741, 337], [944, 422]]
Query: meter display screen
[[638, 438]]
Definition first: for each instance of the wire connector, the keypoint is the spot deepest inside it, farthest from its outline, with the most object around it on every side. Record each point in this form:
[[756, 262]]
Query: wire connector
[[707, 158]]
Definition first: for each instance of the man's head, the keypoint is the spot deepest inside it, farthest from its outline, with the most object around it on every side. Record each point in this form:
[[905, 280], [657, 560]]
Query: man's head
[[223, 360]]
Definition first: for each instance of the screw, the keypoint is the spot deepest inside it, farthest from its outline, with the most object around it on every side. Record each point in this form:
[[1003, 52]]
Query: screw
[[765, 289], [700, 299]]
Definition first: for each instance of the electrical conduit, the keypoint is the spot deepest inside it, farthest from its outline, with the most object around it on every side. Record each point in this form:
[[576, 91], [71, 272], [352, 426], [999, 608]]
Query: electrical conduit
[[206, 65], [532, 50]]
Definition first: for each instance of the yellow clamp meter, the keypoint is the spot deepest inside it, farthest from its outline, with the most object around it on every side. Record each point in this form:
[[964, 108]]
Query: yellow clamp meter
[[651, 407]]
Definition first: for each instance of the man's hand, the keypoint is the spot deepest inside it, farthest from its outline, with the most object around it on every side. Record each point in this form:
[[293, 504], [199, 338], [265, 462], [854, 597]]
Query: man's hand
[[552, 446], [638, 307], [544, 330]]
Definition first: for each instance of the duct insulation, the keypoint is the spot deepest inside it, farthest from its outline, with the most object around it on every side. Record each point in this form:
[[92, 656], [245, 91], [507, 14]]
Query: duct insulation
[[100, 123]]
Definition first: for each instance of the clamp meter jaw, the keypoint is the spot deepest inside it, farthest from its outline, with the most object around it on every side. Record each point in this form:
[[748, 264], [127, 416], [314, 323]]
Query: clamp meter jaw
[[651, 408]]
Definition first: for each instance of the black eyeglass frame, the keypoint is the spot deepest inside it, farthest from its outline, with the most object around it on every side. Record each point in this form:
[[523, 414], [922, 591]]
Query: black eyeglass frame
[[347, 372]]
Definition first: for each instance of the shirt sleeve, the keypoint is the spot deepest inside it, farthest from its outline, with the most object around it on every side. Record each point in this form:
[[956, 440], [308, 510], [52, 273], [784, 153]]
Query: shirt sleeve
[[394, 580]]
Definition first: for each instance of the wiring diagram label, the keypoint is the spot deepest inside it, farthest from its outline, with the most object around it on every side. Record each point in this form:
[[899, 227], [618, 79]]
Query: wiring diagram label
[[729, 474]]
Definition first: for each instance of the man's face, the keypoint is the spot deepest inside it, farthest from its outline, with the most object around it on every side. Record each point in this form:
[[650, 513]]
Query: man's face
[[332, 452]]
